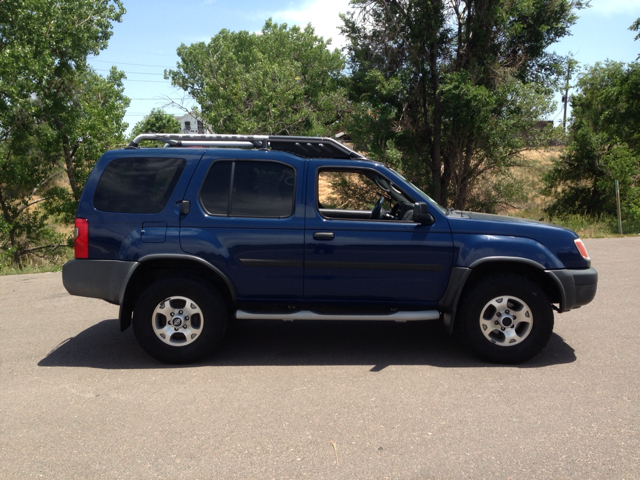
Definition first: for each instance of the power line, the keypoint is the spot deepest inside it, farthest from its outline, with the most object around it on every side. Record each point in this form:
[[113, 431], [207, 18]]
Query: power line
[[136, 73], [158, 98], [141, 114], [137, 114], [141, 53], [134, 64], [145, 81]]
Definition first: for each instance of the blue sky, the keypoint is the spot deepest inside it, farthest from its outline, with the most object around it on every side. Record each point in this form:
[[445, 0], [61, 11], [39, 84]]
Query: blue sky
[[145, 43]]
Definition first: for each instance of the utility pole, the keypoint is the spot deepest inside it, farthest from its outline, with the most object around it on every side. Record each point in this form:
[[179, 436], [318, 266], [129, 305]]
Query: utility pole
[[617, 185], [565, 99], [571, 66]]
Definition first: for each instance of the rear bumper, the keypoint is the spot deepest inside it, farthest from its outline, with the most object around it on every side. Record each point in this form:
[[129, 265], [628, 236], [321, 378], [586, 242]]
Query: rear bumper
[[102, 279], [578, 286]]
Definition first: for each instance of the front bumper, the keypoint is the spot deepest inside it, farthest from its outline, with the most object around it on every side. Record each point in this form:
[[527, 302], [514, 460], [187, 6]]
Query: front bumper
[[104, 279], [578, 287]]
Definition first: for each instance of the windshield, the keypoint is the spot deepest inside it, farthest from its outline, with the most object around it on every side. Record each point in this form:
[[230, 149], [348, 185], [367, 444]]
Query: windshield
[[431, 200]]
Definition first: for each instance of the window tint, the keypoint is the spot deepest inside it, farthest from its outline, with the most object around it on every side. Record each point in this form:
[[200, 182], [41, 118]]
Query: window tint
[[215, 190], [137, 185], [260, 189]]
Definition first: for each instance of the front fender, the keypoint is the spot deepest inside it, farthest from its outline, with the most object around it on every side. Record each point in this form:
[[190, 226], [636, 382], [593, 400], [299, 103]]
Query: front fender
[[471, 250]]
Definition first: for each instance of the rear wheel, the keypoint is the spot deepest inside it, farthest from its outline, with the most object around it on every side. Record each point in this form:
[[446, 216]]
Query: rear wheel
[[505, 318], [179, 320]]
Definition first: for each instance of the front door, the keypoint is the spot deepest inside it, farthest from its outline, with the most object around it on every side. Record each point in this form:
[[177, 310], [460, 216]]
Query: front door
[[361, 245]]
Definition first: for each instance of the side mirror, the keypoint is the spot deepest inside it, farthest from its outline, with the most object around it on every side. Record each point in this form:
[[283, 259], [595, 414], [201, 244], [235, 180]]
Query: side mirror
[[421, 214]]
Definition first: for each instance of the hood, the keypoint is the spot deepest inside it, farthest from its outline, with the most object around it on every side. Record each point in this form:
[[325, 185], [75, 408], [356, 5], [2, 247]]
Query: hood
[[489, 224]]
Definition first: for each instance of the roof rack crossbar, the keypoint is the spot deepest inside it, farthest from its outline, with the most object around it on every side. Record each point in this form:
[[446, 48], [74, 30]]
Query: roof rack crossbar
[[313, 147]]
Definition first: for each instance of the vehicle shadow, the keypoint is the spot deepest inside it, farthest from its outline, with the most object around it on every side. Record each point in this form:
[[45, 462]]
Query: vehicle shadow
[[276, 343]]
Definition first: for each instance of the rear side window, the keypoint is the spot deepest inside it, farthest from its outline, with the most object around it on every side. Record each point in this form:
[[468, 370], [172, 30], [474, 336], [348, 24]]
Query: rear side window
[[249, 189], [137, 185], [215, 191]]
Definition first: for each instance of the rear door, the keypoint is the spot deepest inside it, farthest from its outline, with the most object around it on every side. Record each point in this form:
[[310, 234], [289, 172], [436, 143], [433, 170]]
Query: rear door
[[247, 219]]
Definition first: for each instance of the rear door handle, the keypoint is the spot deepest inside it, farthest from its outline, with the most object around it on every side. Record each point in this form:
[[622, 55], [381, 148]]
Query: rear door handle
[[323, 235], [185, 207]]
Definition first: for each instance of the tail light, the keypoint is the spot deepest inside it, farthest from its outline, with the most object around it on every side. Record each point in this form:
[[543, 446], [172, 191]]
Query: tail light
[[582, 249], [81, 238]]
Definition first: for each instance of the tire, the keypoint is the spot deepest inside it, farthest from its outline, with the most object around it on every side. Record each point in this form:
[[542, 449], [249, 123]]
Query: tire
[[505, 318], [180, 319]]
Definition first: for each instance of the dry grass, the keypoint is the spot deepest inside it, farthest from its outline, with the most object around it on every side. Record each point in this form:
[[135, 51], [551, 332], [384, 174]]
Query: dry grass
[[535, 164]]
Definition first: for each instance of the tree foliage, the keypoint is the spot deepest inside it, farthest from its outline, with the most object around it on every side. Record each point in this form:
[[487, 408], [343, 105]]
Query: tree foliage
[[57, 116], [40, 40], [158, 121], [452, 90], [604, 145], [281, 81], [635, 27]]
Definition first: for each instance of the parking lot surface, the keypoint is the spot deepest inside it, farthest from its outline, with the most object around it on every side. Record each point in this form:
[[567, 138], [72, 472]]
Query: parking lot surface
[[319, 400]]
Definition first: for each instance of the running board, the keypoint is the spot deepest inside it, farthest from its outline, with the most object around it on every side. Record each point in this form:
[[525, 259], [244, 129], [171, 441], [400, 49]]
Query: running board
[[405, 316]]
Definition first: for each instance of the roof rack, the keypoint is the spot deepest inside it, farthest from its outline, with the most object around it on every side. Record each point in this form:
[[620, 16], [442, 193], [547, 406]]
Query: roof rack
[[309, 147]]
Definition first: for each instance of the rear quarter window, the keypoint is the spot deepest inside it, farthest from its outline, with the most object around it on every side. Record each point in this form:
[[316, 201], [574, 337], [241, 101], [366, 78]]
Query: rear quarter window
[[137, 185]]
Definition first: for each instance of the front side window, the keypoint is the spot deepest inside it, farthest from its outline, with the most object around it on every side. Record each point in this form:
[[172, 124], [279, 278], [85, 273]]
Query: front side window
[[137, 185], [359, 195], [249, 189]]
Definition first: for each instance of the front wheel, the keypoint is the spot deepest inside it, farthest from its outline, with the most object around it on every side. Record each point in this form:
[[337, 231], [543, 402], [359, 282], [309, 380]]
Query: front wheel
[[179, 320], [505, 318]]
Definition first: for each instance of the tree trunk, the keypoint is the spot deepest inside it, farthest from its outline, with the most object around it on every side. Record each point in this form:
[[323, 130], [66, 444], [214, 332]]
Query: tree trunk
[[464, 181], [68, 161], [8, 218], [438, 189]]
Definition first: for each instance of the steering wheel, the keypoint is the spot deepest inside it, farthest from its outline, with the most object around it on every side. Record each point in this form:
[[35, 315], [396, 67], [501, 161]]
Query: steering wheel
[[376, 209]]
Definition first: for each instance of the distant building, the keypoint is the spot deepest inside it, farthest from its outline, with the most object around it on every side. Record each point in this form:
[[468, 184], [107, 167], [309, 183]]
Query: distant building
[[542, 124], [190, 124]]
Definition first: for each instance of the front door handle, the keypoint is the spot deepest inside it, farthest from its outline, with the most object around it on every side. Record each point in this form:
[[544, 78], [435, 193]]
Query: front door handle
[[323, 236]]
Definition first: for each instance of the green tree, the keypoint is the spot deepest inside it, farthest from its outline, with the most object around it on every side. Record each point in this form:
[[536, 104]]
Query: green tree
[[604, 145], [56, 115], [76, 134], [282, 81], [158, 121], [39, 41], [451, 91], [635, 27]]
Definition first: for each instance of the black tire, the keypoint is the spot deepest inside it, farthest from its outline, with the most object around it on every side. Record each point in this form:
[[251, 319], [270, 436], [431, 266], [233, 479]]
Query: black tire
[[204, 330], [482, 323]]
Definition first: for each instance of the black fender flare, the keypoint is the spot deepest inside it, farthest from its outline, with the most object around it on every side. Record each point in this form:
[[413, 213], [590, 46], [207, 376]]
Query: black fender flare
[[448, 304], [126, 309]]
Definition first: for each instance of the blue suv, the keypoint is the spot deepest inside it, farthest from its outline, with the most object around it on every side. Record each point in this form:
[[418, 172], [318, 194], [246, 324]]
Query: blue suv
[[186, 239]]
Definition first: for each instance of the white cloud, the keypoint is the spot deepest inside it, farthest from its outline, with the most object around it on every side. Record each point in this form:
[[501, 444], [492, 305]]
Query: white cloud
[[613, 7], [321, 14]]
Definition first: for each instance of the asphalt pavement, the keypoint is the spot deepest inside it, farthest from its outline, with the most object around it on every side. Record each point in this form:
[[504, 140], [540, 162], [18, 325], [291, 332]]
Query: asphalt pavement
[[342, 400]]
